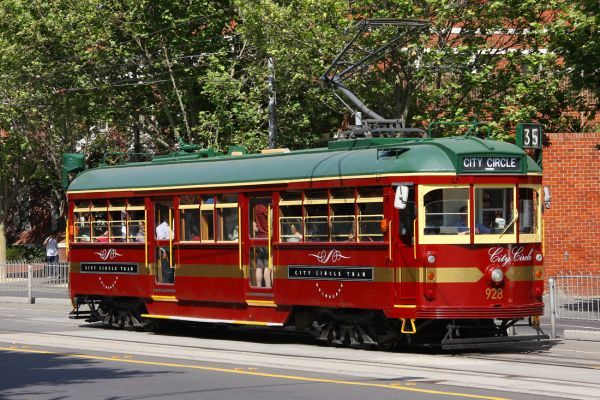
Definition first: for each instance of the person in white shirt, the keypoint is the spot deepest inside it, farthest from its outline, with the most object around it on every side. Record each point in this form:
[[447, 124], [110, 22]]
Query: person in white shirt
[[51, 253], [163, 231]]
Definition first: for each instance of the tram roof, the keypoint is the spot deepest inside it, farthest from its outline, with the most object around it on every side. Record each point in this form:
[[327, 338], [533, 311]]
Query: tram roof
[[340, 160]]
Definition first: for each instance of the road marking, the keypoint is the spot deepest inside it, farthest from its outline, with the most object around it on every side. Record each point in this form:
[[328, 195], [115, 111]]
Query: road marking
[[251, 373], [576, 351]]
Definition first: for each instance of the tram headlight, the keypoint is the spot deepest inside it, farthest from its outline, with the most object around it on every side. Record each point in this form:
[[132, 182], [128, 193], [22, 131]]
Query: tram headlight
[[497, 275], [539, 257], [431, 259]]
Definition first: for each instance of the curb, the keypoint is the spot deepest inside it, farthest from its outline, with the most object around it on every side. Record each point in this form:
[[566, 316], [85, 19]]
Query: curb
[[37, 300], [590, 336]]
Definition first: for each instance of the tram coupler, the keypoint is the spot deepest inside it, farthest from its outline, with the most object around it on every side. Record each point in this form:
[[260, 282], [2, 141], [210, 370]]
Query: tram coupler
[[413, 328]]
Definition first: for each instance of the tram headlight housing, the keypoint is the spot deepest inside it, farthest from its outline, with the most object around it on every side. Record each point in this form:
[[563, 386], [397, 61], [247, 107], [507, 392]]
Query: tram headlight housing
[[497, 276]]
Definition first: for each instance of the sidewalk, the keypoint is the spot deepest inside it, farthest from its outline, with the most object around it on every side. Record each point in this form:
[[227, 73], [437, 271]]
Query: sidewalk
[[571, 329], [37, 300]]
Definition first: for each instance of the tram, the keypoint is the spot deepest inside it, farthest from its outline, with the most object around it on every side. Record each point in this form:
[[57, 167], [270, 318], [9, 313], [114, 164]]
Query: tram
[[367, 242]]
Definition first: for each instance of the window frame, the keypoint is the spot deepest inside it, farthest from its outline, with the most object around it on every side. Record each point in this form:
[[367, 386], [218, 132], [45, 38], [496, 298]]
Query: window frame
[[491, 238], [330, 201], [532, 237], [424, 189]]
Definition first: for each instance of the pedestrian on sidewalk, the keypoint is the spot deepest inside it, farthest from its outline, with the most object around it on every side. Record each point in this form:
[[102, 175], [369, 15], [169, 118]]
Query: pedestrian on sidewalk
[[51, 253]]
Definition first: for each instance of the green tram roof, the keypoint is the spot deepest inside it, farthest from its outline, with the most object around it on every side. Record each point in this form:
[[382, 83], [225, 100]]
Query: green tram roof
[[341, 159]]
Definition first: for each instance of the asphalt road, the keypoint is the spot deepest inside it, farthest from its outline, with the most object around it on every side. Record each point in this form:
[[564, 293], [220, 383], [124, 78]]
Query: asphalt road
[[44, 355]]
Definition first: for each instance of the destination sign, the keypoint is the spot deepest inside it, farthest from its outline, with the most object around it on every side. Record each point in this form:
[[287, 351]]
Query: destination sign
[[491, 164], [330, 273], [109, 268]]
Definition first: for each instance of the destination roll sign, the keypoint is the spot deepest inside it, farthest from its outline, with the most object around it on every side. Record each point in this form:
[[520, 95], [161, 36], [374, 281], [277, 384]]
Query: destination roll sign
[[491, 164]]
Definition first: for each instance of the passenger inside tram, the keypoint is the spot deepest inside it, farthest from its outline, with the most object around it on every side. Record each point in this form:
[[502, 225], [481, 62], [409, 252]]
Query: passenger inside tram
[[463, 226]]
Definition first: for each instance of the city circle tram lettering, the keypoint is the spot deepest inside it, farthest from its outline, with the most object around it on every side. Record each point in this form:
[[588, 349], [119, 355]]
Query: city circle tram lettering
[[109, 268], [485, 164], [330, 273]]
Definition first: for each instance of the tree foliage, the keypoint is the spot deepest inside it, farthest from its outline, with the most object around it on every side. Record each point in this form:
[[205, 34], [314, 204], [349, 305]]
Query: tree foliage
[[123, 75], [575, 36]]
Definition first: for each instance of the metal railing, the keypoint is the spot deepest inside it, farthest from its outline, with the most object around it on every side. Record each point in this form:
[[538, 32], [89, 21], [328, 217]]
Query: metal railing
[[574, 297], [31, 280]]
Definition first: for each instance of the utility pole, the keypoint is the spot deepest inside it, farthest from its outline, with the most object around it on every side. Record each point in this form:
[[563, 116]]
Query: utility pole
[[272, 105]]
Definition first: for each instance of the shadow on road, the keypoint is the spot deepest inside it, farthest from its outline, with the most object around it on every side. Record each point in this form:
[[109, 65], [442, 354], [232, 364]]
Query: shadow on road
[[28, 375]]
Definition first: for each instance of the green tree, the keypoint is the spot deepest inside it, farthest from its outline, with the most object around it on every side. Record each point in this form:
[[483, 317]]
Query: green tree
[[575, 36], [476, 59]]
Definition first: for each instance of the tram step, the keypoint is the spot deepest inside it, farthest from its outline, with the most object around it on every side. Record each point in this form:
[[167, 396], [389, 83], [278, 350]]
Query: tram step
[[476, 343], [79, 314]]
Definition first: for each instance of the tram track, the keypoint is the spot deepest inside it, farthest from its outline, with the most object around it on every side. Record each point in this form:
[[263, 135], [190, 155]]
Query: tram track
[[429, 367], [517, 354]]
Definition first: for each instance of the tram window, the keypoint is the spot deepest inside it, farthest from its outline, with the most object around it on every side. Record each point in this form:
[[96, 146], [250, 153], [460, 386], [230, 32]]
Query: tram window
[[343, 195], [136, 230], [82, 221], [99, 227], [82, 204], [82, 226], [162, 219], [529, 203], [189, 223], [343, 223], [227, 198], [369, 222], [259, 218], [117, 203], [290, 223], [136, 224], [117, 226], [135, 203], [494, 210], [317, 196], [407, 217], [446, 211], [165, 273], [228, 224], [228, 218], [99, 221], [316, 226], [207, 218], [370, 195], [190, 199]]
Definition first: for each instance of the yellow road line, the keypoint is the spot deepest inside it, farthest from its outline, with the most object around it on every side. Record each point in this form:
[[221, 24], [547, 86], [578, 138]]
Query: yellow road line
[[262, 374]]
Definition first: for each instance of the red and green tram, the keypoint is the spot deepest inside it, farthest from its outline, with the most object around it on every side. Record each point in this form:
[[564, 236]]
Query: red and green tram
[[371, 241]]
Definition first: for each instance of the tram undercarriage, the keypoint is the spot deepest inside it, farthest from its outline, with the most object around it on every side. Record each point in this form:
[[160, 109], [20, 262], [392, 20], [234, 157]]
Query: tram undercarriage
[[119, 312], [354, 328]]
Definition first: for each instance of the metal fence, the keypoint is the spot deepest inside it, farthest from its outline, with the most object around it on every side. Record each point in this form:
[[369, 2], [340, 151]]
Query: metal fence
[[31, 280], [574, 297]]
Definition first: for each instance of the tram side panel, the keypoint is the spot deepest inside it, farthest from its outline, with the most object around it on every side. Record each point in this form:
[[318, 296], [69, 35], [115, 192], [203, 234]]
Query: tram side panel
[[209, 273], [112, 271], [334, 276]]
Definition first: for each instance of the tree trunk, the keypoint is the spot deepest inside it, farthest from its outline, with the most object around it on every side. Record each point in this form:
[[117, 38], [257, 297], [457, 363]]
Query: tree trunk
[[2, 228]]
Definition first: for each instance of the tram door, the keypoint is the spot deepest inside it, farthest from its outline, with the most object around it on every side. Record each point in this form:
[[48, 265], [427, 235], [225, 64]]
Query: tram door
[[258, 254], [163, 234], [406, 264]]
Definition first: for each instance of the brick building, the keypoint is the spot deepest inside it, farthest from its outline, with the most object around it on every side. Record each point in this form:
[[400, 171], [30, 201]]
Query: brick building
[[572, 224]]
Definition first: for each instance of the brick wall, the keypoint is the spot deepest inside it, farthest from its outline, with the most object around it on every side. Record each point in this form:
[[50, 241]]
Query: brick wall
[[572, 224]]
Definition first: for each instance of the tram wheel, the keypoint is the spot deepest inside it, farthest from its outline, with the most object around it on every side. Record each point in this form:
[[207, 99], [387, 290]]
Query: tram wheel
[[355, 330]]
